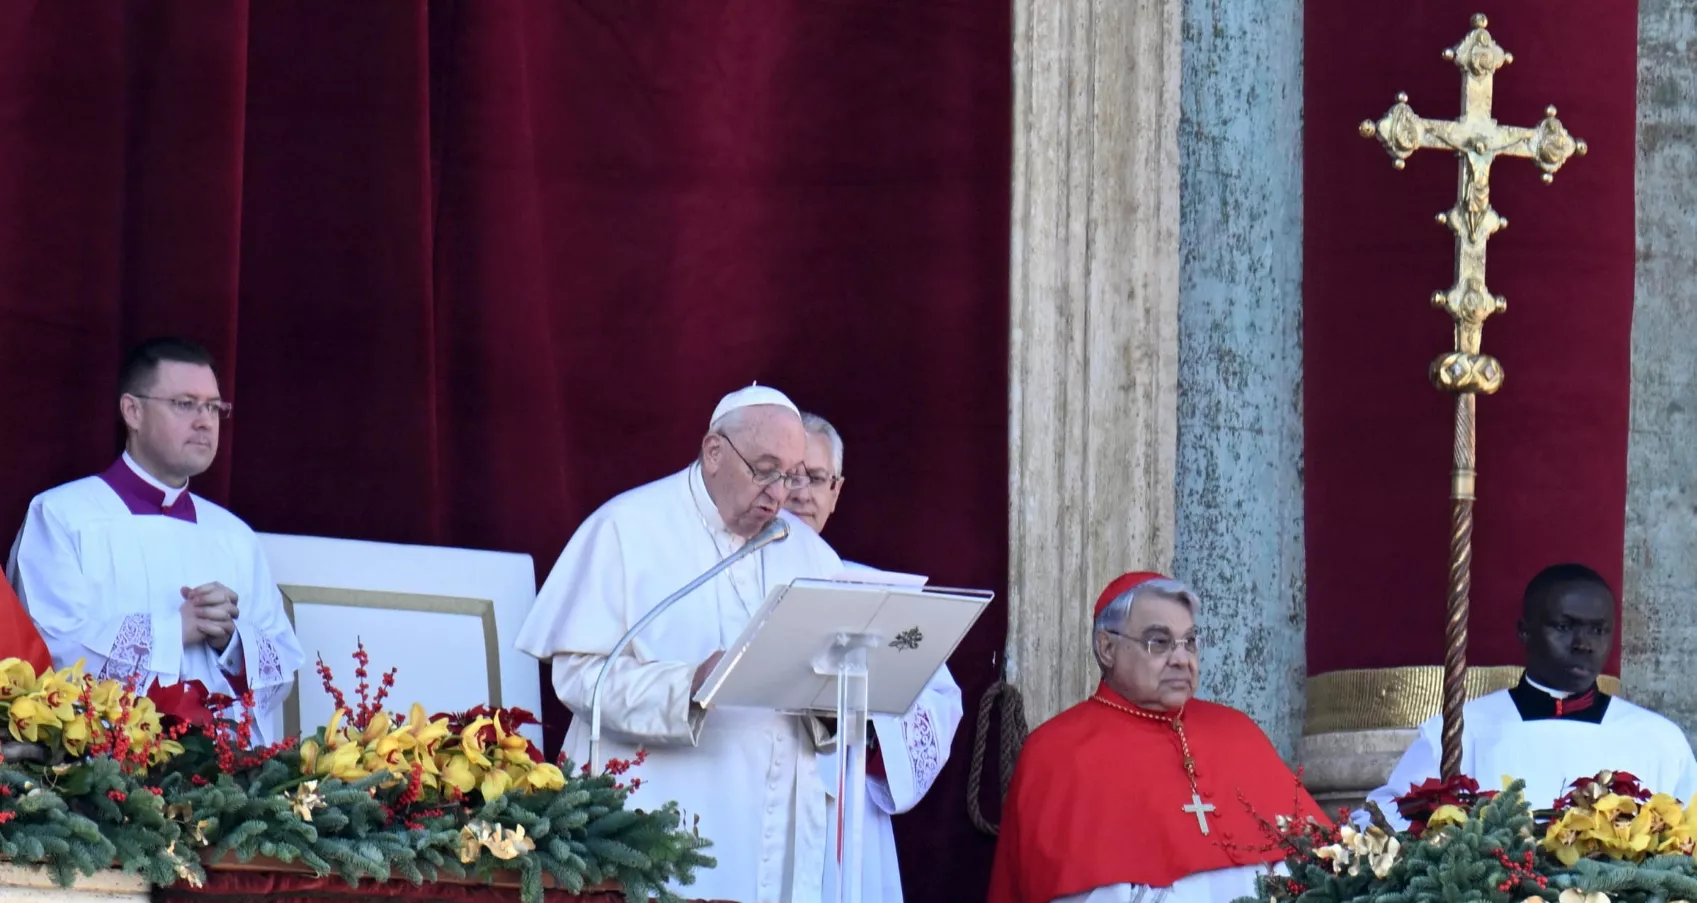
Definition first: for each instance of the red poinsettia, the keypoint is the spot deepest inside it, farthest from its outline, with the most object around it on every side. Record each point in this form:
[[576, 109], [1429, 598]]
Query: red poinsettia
[[1424, 799], [510, 721], [1587, 791], [187, 702]]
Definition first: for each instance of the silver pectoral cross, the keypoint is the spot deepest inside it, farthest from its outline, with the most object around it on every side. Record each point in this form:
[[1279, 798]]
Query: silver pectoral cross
[[1201, 810]]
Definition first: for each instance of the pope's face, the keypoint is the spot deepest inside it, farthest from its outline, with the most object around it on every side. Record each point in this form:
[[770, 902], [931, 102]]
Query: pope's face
[[767, 440], [815, 502], [1569, 636], [171, 444], [1163, 679]]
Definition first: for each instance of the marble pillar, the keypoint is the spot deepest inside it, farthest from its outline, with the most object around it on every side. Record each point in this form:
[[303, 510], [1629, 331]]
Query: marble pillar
[[1239, 519], [1094, 323], [1659, 598]]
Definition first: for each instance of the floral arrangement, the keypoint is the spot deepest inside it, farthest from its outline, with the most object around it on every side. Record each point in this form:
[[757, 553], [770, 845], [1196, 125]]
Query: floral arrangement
[[1436, 803], [163, 783], [1612, 816], [1609, 839], [72, 713]]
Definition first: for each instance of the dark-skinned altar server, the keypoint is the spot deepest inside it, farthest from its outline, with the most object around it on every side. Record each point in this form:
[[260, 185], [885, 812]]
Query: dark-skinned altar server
[[140, 578], [749, 776], [1142, 792], [1555, 726]]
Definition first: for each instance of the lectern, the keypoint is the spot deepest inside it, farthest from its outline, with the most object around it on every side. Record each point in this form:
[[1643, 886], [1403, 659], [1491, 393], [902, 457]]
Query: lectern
[[847, 649]]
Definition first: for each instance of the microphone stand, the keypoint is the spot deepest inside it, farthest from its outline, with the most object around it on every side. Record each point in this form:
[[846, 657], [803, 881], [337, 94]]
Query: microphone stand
[[774, 531]]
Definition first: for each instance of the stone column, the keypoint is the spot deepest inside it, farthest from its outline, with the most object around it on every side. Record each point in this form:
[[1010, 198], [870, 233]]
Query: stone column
[[1094, 339], [1239, 537], [1657, 623]]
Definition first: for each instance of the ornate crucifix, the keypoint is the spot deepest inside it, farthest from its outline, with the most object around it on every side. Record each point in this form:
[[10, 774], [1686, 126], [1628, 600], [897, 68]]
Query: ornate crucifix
[[1476, 139]]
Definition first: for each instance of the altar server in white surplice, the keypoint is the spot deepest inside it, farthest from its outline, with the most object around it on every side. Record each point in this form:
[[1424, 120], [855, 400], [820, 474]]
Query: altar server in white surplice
[[1555, 726], [135, 575], [749, 776], [907, 752]]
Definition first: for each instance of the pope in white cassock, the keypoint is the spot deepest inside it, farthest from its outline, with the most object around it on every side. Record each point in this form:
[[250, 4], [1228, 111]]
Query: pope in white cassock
[[1555, 726], [136, 576], [908, 752], [747, 780]]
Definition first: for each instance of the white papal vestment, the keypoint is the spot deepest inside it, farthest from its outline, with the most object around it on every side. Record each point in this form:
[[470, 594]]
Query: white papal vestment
[[1549, 753], [101, 563], [750, 777]]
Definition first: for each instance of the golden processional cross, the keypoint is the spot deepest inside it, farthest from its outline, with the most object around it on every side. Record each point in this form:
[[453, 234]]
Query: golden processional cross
[[1476, 139]]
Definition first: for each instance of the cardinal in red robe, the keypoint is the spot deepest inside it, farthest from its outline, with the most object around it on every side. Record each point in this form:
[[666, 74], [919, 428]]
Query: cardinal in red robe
[[1142, 787], [18, 636]]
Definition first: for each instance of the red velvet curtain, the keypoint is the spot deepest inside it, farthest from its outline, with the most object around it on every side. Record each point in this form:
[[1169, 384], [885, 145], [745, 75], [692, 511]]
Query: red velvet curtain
[[471, 268], [1552, 442]]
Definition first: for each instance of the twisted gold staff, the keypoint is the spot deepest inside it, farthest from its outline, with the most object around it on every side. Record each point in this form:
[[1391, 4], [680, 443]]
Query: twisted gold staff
[[1476, 139]]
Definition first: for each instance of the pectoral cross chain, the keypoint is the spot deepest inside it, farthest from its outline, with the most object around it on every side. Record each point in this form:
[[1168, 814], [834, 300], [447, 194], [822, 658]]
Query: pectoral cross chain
[[1176, 721], [1201, 810]]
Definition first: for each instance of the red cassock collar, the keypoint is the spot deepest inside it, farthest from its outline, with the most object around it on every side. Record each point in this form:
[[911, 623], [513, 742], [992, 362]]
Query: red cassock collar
[[1098, 799]]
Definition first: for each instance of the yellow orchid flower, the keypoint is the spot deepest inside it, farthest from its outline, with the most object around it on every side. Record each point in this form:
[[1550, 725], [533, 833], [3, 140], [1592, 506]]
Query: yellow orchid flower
[[1614, 807], [17, 678], [58, 694], [1445, 816], [1660, 813], [30, 716], [459, 774], [543, 776], [388, 752], [168, 750], [471, 745], [376, 729], [495, 782], [106, 697], [75, 736], [333, 731], [344, 763], [1567, 838], [426, 733], [309, 756], [339, 760]]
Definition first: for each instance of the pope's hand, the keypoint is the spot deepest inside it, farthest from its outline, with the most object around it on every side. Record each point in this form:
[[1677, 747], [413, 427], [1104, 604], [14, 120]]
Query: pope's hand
[[704, 669]]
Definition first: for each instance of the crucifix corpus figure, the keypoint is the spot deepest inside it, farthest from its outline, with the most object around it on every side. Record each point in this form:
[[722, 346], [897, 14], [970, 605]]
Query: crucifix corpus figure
[[1167, 771], [1477, 140]]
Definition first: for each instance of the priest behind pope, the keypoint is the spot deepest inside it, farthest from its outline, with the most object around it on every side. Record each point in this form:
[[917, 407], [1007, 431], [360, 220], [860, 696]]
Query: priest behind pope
[[747, 780], [1555, 726], [908, 752], [1143, 792], [137, 576]]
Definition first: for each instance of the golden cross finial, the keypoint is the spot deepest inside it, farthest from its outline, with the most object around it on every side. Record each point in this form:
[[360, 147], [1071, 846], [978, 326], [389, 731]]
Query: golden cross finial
[[1477, 140]]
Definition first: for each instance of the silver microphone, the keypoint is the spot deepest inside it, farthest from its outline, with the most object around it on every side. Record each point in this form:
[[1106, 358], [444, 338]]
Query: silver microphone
[[774, 531]]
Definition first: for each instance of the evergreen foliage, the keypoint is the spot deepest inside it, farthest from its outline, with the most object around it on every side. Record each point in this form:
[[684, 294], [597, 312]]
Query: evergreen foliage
[[156, 785], [80, 818], [71, 822], [1494, 856]]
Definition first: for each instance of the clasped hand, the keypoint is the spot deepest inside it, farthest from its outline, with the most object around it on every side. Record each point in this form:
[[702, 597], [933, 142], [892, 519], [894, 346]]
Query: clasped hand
[[209, 615]]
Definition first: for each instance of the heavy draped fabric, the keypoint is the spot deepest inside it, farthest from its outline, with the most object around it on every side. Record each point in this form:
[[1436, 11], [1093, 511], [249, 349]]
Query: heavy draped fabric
[[1552, 442], [472, 268]]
